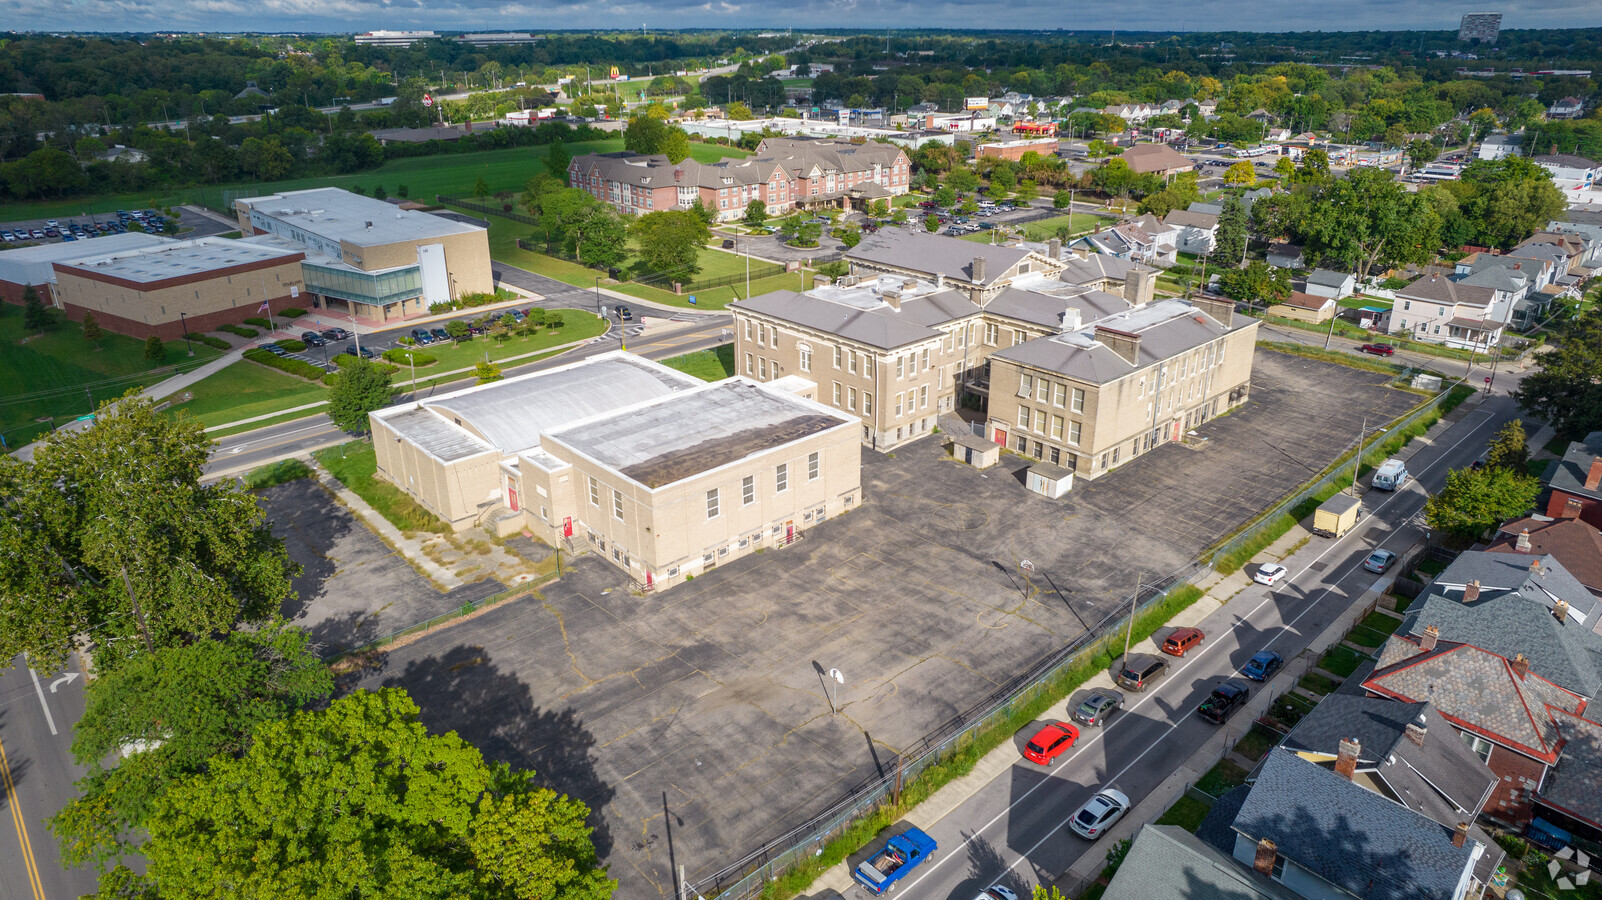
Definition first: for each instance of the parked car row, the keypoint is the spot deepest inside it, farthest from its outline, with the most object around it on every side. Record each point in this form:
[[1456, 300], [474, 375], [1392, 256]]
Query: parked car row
[[71, 230]]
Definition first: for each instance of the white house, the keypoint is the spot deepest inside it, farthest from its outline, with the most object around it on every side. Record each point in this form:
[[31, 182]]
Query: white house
[[1195, 232], [1442, 311], [1496, 146], [1327, 283], [1569, 172]]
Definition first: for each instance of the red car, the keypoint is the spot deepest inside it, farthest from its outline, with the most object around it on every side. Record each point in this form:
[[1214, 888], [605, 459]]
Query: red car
[[1049, 742], [1378, 349], [1182, 640]]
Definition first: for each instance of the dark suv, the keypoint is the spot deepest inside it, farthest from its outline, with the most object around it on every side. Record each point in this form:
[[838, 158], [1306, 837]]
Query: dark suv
[[1224, 701], [1140, 671]]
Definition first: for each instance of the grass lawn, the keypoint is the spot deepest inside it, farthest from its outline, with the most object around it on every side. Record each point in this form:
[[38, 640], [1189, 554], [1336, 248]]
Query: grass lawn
[[1352, 301], [1367, 637], [1315, 683], [1381, 622], [1557, 446], [718, 298], [1290, 708], [1256, 743], [354, 464], [1430, 567], [576, 326], [1187, 812], [244, 390], [1046, 229], [1343, 661], [1536, 467], [1221, 778], [707, 365], [1402, 603], [50, 375]]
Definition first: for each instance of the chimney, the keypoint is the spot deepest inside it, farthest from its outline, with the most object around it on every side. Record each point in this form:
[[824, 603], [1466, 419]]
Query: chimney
[[1521, 666], [1267, 855], [1571, 509], [1594, 476], [1221, 309], [1140, 283], [1070, 319], [1523, 543], [1416, 731], [1471, 592], [1346, 762], [1460, 836], [1082, 251], [1123, 343], [1426, 643], [1560, 609], [1054, 248], [892, 296], [940, 280], [979, 270]]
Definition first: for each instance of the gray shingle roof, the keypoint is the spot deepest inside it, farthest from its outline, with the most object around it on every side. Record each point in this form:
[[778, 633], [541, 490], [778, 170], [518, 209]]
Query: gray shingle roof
[[1047, 310], [908, 250], [1570, 473], [1327, 278], [879, 326], [1188, 218], [1350, 836], [1567, 160], [1497, 278], [1095, 267], [1440, 289], [1516, 571], [1575, 784], [1166, 861], [1166, 328]]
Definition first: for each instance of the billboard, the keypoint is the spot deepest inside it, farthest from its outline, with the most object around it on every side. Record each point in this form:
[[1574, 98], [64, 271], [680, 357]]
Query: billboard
[[977, 103]]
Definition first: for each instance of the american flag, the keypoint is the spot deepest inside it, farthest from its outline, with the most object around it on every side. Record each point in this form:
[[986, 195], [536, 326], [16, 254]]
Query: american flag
[[263, 307]]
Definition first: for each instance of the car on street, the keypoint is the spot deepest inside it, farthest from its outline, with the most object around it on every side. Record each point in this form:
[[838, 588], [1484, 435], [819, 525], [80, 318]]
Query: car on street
[[1379, 561], [1140, 671], [1262, 666], [1099, 813], [312, 339], [1098, 708], [274, 349], [1182, 640], [1224, 701], [421, 336], [350, 350], [624, 314], [1049, 742], [1270, 574], [1378, 349], [997, 892], [895, 860], [336, 334], [439, 334]]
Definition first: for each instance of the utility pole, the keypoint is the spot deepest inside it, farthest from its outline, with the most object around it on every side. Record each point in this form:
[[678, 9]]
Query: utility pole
[[139, 615], [1130, 631], [1357, 458]]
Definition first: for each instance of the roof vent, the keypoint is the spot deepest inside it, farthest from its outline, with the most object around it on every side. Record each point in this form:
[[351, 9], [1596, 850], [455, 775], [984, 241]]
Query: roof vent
[[369, 224]]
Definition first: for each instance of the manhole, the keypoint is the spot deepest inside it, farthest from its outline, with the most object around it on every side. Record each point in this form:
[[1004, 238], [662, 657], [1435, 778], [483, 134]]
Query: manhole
[[523, 579], [1318, 566]]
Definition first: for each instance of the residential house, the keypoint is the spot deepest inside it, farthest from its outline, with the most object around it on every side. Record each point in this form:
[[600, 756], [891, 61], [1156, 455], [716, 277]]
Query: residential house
[[1576, 482], [1277, 135], [1329, 283], [1197, 232], [1322, 835], [1510, 286], [1159, 159], [1497, 146], [1145, 239], [1168, 861], [1260, 115], [1587, 224], [1132, 113], [1305, 307], [1437, 309], [1566, 108], [1569, 172], [1283, 255], [1575, 544], [1571, 250]]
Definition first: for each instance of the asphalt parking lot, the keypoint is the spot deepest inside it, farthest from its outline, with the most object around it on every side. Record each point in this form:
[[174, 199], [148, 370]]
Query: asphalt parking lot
[[190, 224], [696, 721], [354, 587]]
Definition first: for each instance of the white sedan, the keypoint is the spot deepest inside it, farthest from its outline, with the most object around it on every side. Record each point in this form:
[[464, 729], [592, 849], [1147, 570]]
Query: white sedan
[[1099, 813], [997, 892], [1270, 573]]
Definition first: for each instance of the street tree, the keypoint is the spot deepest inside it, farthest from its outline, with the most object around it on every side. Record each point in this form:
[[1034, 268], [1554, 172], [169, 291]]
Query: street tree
[[1284, 168], [1475, 500], [1241, 173], [182, 706], [362, 387], [1229, 247], [458, 330], [670, 241], [1367, 220], [756, 212], [1510, 448], [109, 536], [91, 330], [1565, 390], [359, 800], [155, 350], [486, 372]]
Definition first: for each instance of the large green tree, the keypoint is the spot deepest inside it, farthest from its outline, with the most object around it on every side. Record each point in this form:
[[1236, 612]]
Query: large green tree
[[1257, 282], [362, 387], [1367, 220], [1476, 500], [1565, 390], [646, 134], [165, 714], [670, 241], [358, 800], [1510, 448], [109, 536], [1229, 247]]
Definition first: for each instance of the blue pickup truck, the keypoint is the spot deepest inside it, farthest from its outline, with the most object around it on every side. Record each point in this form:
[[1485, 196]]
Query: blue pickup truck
[[900, 855]]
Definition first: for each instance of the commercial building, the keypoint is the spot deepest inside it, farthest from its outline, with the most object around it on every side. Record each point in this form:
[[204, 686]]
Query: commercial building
[[394, 38], [1016, 148], [175, 287], [785, 173], [1484, 27], [370, 258], [660, 473], [35, 266], [1159, 159], [1569, 172], [499, 38], [806, 126]]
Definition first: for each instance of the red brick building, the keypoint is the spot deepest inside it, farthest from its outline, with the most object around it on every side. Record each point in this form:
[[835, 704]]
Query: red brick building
[[1576, 483]]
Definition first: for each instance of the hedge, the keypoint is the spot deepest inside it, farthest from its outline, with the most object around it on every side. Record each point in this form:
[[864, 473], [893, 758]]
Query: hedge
[[259, 322], [419, 358], [292, 345], [292, 366], [208, 340], [344, 360], [240, 330], [294, 312]]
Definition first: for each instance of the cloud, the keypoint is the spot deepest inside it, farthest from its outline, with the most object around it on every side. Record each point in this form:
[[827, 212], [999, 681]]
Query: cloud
[[1130, 15]]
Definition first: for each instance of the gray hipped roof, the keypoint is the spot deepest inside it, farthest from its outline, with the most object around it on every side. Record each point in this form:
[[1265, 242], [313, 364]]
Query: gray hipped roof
[[1569, 475], [880, 326], [1165, 328], [907, 250], [1166, 861]]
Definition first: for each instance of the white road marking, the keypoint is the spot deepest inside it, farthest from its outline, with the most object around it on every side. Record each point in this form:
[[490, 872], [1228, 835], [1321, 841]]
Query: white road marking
[[49, 719]]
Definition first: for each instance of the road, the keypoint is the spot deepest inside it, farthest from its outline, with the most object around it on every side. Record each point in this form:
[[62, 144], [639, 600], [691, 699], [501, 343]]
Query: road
[[264, 445], [1504, 378], [1013, 827], [37, 712]]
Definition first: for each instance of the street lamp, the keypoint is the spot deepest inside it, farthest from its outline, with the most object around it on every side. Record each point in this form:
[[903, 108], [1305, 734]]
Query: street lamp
[[597, 295], [184, 323], [414, 372]]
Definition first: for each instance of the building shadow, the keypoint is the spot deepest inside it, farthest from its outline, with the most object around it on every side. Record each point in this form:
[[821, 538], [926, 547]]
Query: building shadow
[[463, 691], [298, 511]]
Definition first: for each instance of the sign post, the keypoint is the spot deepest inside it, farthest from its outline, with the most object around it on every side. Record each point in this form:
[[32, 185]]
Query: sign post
[[839, 679]]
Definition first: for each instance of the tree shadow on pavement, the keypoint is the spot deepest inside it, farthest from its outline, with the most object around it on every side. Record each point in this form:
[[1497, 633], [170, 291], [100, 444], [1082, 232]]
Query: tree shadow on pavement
[[986, 867], [463, 691]]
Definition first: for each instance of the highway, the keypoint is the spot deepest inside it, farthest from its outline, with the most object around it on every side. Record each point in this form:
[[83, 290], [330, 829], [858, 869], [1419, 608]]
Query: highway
[[1012, 829], [37, 712]]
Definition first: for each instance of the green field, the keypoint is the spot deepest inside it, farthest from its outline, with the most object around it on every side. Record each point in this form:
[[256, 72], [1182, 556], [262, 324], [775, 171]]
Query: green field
[[423, 176], [707, 365], [576, 326], [244, 390], [58, 377]]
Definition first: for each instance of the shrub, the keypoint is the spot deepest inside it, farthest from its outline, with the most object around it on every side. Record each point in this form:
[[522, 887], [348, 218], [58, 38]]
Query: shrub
[[294, 312], [292, 366], [1515, 846], [259, 322], [215, 343], [292, 345], [419, 358], [240, 330], [444, 306]]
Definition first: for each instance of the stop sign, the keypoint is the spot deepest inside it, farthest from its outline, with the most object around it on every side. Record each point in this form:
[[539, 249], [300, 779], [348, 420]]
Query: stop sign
[[428, 100]]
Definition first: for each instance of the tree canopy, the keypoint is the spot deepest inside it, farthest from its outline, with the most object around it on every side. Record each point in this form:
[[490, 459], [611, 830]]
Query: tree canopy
[[670, 241], [363, 386], [1476, 500], [1565, 389]]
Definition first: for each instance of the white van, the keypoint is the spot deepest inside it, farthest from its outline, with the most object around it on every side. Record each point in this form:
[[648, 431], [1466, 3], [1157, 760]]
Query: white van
[[1390, 476]]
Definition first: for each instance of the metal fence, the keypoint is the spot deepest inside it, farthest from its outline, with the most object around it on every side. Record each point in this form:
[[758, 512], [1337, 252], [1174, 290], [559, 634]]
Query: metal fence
[[467, 608], [666, 281], [747, 877], [480, 206]]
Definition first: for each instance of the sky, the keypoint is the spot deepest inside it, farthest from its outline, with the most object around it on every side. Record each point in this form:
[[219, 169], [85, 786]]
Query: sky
[[485, 15]]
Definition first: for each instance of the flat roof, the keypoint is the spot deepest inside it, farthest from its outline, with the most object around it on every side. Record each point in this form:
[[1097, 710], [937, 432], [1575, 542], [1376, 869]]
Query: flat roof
[[178, 259], [686, 434], [340, 215], [35, 265]]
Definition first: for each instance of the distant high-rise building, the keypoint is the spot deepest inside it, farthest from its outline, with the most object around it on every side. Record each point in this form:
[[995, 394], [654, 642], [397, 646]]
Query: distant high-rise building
[[497, 38], [394, 38], [1481, 26]]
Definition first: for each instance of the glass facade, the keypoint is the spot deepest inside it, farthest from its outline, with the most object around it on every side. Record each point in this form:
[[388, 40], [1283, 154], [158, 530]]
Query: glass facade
[[380, 289]]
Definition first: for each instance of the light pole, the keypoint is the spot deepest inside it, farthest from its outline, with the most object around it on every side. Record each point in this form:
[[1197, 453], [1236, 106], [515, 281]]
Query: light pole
[[184, 323], [414, 372], [836, 676], [597, 295]]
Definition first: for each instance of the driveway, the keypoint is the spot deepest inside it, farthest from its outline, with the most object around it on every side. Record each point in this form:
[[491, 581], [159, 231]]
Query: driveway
[[696, 722]]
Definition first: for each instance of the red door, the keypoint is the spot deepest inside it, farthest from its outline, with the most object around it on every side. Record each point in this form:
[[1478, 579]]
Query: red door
[[511, 496], [567, 526], [789, 533], [1000, 437]]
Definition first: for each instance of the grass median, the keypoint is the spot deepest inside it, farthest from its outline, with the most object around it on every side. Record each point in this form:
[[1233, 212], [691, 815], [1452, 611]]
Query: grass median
[[356, 466]]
